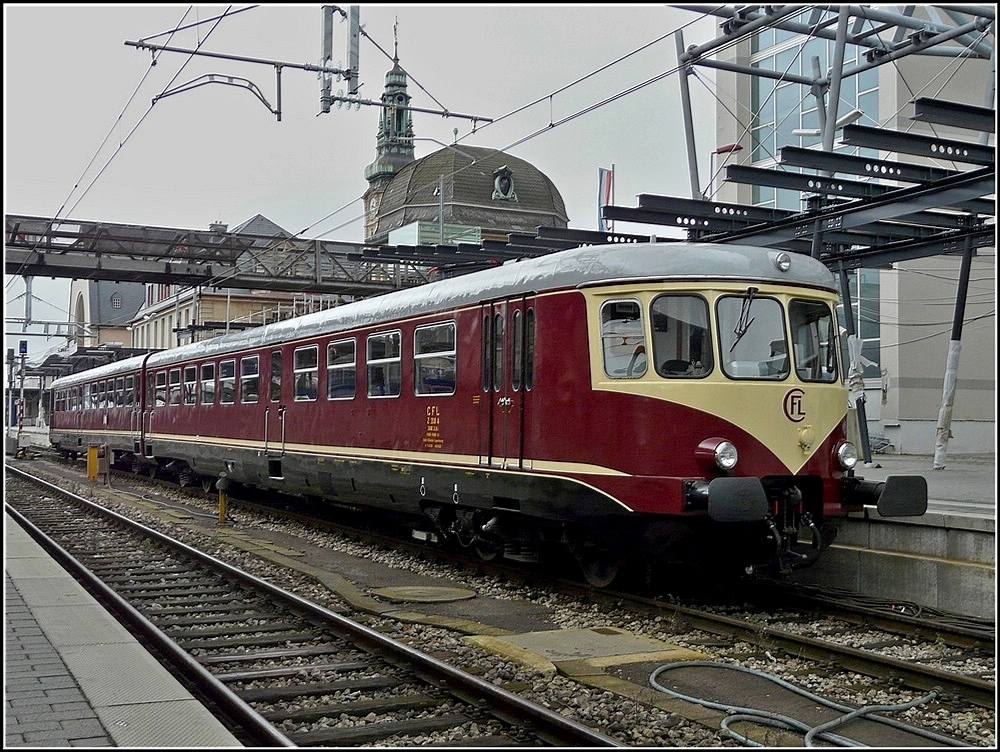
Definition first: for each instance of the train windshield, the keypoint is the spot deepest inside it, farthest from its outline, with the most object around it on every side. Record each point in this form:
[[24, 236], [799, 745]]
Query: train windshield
[[681, 345], [813, 340], [752, 337]]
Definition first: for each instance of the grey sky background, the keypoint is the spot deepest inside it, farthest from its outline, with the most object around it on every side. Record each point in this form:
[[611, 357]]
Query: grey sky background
[[83, 141]]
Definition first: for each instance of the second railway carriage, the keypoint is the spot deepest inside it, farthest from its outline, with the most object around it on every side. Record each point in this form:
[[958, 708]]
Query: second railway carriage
[[649, 402]]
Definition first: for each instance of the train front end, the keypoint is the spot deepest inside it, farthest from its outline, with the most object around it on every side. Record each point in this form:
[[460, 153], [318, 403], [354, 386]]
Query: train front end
[[739, 411]]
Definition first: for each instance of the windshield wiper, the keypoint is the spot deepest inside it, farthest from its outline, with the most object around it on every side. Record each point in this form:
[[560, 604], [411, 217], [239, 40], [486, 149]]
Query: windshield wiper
[[744, 321]]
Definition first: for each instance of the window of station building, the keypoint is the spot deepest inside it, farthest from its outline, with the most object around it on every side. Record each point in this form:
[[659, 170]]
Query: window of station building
[[341, 369], [751, 335], [190, 384], [682, 341], [227, 382], [623, 339], [865, 287], [249, 379], [306, 373], [384, 364], [276, 376], [208, 383], [174, 397], [129, 391], [434, 359]]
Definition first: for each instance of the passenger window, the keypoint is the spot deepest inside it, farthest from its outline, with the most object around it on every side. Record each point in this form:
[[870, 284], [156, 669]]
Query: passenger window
[[623, 339], [434, 359], [190, 384], [517, 371], [682, 346], [161, 389], [306, 367], [129, 391], [208, 383], [384, 365], [175, 386], [276, 376], [497, 351], [119, 392], [487, 364], [341, 369], [249, 379], [227, 382]]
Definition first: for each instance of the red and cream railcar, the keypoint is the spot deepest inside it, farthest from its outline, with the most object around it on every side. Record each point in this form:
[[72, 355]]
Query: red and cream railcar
[[653, 402]]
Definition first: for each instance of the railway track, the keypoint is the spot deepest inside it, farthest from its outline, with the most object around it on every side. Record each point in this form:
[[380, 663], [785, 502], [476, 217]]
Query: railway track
[[813, 640], [286, 671]]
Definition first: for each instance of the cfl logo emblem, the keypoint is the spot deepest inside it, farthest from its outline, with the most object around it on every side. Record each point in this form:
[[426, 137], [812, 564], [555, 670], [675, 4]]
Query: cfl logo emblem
[[793, 407]]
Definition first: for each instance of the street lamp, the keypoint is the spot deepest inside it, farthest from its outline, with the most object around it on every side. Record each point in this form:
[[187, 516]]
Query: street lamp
[[724, 149]]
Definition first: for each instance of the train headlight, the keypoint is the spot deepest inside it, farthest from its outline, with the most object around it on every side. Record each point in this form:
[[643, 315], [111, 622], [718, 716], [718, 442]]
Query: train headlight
[[847, 455], [782, 261], [717, 454]]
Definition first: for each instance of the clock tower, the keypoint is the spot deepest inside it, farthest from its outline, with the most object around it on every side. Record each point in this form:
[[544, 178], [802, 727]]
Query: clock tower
[[394, 145]]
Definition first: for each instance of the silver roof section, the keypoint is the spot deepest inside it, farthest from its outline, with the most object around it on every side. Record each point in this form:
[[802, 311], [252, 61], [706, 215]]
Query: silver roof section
[[588, 266]]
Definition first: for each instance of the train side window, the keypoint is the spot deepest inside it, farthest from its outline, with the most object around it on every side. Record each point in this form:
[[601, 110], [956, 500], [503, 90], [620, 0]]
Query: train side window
[[384, 364], [208, 383], [682, 347], [101, 395], [175, 386], [341, 369], [276, 376], [190, 384], [623, 339], [129, 391], [227, 382], [434, 359], [306, 373], [119, 391], [249, 379]]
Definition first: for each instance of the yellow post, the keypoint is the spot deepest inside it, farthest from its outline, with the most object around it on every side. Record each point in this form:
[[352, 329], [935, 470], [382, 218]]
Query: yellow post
[[223, 485], [92, 456]]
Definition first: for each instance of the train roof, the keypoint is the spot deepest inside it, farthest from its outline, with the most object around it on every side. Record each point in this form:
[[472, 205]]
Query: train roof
[[618, 263]]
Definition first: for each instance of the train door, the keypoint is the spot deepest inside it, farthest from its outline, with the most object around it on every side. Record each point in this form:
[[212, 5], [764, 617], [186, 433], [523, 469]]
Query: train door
[[507, 372], [274, 417]]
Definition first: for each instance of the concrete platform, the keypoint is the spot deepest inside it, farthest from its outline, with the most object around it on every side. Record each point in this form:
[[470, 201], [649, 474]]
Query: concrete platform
[[75, 677]]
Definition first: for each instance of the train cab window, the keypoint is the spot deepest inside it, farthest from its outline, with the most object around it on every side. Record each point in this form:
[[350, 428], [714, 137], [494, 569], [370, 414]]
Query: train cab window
[[341, 369], [306, 373], [276, 376], [623, 339], [752, 337], [174, 395], [384, 364], [227, 382], [208, 383], [190, 384], [129, 391], [249, 379], [434, 359], [682, 347], [813, 340]]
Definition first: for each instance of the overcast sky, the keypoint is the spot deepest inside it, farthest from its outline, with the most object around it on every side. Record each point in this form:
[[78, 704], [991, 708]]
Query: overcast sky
[[82, 139]]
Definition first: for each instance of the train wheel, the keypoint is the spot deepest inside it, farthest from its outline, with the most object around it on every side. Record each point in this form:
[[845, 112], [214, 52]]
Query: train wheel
[[487, 550], [599, 568]]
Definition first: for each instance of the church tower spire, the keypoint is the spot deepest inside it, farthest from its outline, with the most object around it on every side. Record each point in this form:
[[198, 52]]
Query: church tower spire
[[394, 142]]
